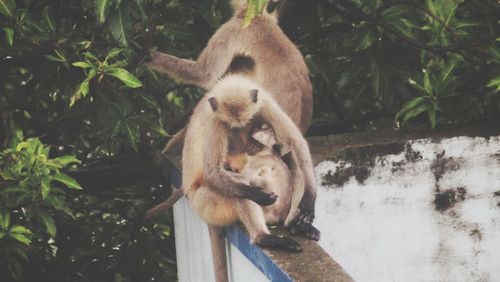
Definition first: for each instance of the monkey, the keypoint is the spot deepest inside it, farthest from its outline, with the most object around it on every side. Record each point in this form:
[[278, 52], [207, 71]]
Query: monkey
[[234, 105], [260, 51], [265, 168]]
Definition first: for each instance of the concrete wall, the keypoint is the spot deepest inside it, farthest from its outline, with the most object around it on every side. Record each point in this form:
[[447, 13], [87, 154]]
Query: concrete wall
[[421, 210]]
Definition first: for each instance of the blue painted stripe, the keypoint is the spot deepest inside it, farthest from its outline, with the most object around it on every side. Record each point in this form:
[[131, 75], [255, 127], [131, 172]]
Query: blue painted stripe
[[262, 261], [237, 237]]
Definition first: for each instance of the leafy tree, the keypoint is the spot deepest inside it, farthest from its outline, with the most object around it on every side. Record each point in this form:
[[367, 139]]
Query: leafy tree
[[78, 109]]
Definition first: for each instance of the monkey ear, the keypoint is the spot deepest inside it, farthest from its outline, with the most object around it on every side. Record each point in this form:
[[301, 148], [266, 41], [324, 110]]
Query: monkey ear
[[213, 103], [253, 95]]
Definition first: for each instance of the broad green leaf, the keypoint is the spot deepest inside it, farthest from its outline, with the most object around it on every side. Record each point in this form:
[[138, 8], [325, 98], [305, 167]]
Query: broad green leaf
[[65, 160], [83, 65], [368, 37], [67, 180], [48, 222], [91, 57], [18, 229], [412, 104], [101, 9], [21, 238], [9, 35], [119, 22], [122, 74], [254, 8], [45, 187], [414, 112], [2, 234], [113, 53], [7, 8]]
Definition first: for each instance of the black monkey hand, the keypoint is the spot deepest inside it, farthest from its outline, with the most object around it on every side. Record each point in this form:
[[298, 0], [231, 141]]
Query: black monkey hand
[[257, 195], [306, 209]]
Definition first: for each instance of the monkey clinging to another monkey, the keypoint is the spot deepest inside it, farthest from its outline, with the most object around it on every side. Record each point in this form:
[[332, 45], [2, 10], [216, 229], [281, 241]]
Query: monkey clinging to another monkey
[[229, 113]]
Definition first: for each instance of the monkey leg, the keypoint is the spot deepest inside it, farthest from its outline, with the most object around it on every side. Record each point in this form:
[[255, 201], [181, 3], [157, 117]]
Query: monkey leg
[[252, 217], [214, 208], [295, 219]]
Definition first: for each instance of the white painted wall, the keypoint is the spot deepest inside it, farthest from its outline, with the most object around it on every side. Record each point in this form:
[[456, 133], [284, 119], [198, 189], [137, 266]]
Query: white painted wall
[[388, 229], [194, 255]]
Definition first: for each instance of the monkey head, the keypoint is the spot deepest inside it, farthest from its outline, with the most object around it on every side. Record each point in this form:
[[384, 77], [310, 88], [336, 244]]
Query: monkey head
[[234, 104]]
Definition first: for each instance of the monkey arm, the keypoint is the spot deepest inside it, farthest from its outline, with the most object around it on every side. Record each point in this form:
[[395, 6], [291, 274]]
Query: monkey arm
[[192, 72], [225, 182], [286, 132]]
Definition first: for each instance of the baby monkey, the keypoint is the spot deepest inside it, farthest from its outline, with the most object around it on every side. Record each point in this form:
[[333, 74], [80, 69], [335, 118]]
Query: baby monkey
[[262, 166]]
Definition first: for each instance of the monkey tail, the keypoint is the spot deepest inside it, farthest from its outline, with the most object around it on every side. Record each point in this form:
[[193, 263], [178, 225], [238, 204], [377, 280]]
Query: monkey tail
[[176, 139]]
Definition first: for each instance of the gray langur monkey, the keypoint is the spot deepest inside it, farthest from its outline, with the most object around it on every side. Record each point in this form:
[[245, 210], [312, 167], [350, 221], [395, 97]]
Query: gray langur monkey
[[230, 110]]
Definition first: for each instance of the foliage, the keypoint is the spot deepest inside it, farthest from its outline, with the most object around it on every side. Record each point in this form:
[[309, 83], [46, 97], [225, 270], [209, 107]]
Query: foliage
[[72, 76], [28, 192], [418, 64]]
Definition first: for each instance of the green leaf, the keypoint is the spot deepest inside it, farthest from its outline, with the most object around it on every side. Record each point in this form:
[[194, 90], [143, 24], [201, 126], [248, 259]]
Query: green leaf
[[495, 82], [158, 129], [45, 187], [254, 8], [49, 22], [7, 8], [48, 222], [5, 221], [113, 53], [101, 9], [67, 180], [2, 234], [21, 238], [65, 160], [122, 74], [131, 137], [411, 109], [368, 37], [120, 25], [9, 35], [427, 82], [18, 229], [83, 65], [83, 88]]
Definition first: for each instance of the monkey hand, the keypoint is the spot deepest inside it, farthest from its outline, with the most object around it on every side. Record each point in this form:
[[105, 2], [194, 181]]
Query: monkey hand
[[257, 195], [306, 209]]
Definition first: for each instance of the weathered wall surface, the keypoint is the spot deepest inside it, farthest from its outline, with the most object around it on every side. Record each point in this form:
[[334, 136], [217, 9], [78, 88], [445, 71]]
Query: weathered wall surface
[[418, 210]]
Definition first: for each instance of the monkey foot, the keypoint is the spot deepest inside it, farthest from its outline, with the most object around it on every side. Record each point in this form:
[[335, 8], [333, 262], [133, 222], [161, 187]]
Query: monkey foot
[[279, 242], [307, 230]]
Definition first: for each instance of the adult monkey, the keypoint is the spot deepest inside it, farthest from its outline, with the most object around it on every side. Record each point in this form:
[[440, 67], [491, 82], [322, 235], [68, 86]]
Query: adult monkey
[[260, 51]]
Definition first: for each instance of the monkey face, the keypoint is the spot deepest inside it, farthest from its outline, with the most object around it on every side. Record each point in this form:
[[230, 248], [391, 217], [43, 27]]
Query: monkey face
[[233, 108]]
